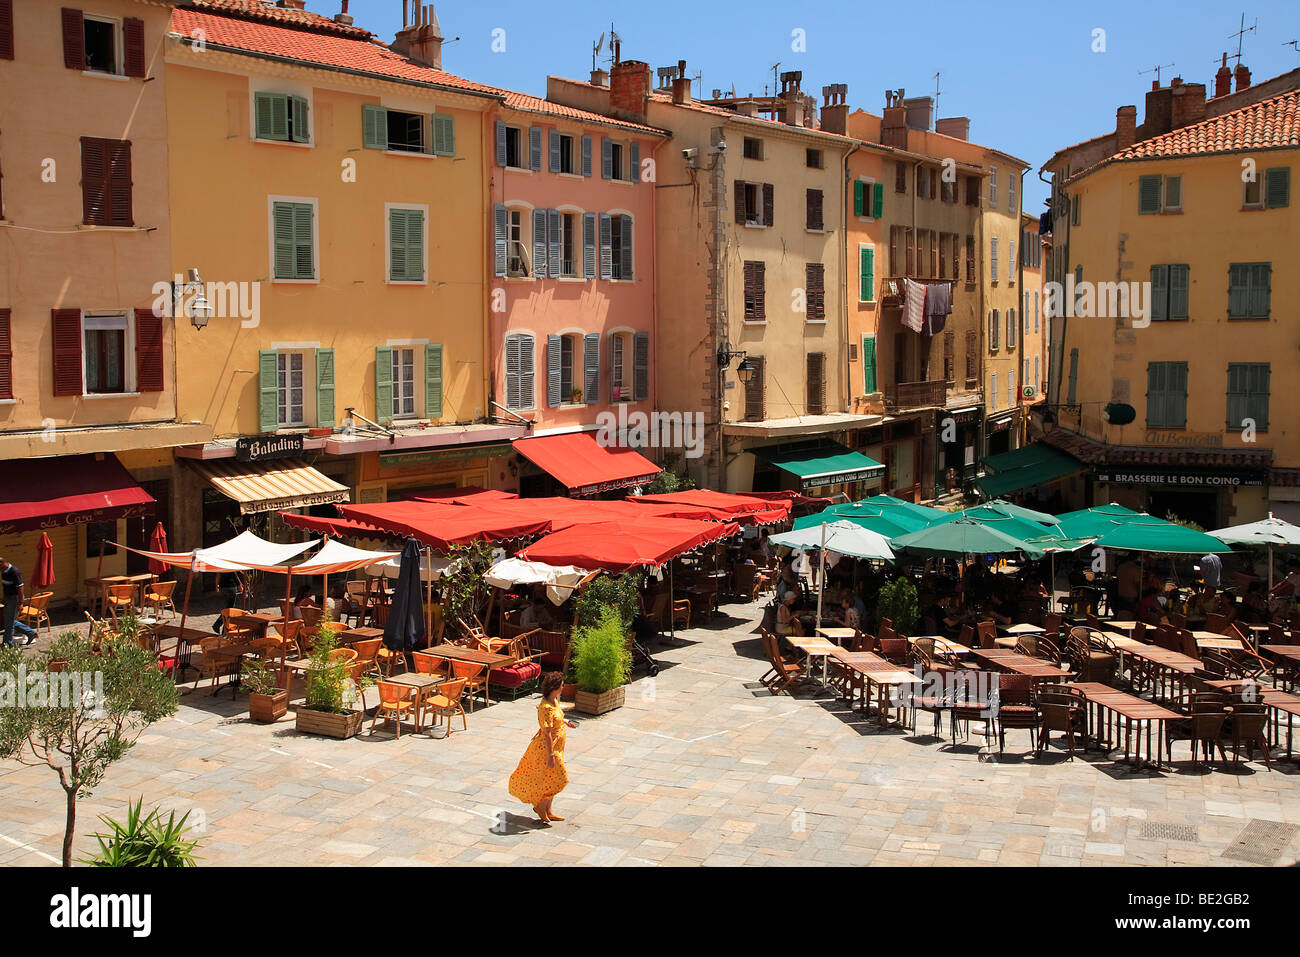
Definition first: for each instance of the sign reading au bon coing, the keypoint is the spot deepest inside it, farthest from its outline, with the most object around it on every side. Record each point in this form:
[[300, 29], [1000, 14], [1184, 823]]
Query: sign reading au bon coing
[[261, 448]]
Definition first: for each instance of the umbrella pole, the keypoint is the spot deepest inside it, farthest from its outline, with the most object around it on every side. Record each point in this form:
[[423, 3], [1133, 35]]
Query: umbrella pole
[[672, 615], [428, 601], [821, 578], [185, 610]]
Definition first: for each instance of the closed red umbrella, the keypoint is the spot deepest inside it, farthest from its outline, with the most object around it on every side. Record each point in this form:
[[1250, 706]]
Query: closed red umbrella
[[43, 576], [157, 543]]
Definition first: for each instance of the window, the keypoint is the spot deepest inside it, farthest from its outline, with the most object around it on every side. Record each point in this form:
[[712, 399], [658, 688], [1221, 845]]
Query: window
[[993, 394], [105, 350], [1248, 290], [900, 177], [1251, 194], [641, 366], [1248, 384], [993, 185], [101, 45], [566, 367], [561, 152], [616, 161], [621, 247], [815, 290], [816, 383], [755, 291], [814, 209], [1035, 317], [1011, 262], [618, 391], [569, 242], [1160, 194], [91, 43], [897, 235], [993, 258], [405, 131], [1166, 394], [1037, 380], [1169, 285], [970, 258], [943, 255], [1012, 328], [1277, 187], [406, 245], [753, 148], [517, 253], [949, 361], [972, 190], [754, 203], [512, 137], [948, 190], [403, 383], [1074, 210], [868, 198], [755, 391], [923, 180], [519, 372], [294, 241], [1173, 193], [106, 186], [1072, 390], [995, 322], [289, 390], [972, 358], [280, 116], [1011, 191], [813, 159], [6, 354]]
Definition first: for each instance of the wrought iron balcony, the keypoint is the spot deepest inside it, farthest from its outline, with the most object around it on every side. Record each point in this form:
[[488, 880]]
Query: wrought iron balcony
[[920, 395]]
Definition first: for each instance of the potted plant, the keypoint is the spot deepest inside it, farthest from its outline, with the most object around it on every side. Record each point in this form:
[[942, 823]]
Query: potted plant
[[897, 602], [331, 694], [577, 396], [602, 663], [266, 701]]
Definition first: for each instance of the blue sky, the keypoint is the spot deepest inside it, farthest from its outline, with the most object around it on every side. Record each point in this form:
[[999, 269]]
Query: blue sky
[[1025, 73]]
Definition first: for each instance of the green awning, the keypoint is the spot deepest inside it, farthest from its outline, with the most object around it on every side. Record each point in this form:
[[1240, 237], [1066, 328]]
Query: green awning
[[824, 463], [1025, 468]]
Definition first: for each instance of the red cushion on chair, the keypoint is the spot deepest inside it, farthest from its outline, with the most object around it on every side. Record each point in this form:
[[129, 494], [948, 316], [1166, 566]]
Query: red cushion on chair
[[551, 658], [516, 675]]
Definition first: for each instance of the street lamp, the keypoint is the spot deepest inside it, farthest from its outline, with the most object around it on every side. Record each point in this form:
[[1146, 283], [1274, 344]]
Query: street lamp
[[196, 308], [745, 371]]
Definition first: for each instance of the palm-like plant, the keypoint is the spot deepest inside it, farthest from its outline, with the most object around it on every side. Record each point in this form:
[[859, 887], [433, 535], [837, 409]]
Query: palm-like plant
[[145, 840]]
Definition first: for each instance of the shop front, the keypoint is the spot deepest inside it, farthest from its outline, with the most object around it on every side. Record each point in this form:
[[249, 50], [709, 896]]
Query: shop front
[[819, 468], [1211, 497], [957, 434]]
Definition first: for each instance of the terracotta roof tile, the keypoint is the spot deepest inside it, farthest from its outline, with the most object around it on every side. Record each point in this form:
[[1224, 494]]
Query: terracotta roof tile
[[259, 10], [535, 104]]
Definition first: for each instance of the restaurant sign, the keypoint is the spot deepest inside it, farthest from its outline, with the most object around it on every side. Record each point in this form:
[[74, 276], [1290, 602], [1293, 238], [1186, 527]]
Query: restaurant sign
[[1183, 479], [841, 478], [266, 447]]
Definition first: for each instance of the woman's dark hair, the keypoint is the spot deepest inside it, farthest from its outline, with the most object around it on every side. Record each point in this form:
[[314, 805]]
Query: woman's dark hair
[[550, 681], [304, 591]]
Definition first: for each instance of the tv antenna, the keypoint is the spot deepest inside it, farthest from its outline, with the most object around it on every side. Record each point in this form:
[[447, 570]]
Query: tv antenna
[[776, 76], [1156, 70], [1241, 35], [1293, 44], [595, 51], [937, 91], [615, 45]]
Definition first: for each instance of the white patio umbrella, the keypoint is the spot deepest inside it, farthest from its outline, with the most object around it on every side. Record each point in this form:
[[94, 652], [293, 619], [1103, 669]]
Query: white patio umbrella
[[1269, 532], [843, 538]]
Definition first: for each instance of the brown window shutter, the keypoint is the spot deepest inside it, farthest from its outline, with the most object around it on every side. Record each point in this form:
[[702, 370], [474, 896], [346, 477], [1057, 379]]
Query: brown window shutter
[[6, 352], [948, 360], [740, 202], [755, 391], [119, 183], [815, 289], [148, 351], [94, 181], [74, 40], [760, 290], [816, 383], [767, 204], [6, 29], [133, 61], [67, 351], [815, 209], [971, 339]]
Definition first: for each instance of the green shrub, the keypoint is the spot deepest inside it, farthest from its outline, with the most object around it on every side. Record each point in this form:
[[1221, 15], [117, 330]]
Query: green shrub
[[147, 841], [601, 658], [259, 677], [897, 602], [608, 591], [329, 682]]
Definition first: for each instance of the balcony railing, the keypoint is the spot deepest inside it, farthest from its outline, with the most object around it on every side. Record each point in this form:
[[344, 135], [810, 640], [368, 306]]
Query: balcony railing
[[918, 395]]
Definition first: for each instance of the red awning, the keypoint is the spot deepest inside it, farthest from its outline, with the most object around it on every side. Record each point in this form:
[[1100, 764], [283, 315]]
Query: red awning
[[67, 490], [338, 527], [619, 546], [584, 466], [445, 525], [745, 509]]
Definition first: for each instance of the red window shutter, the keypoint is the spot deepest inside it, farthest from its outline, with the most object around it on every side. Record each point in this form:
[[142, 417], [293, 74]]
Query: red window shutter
[[67, 351], [133, 61], [119, 183], [74, 40], [94, 182], [767, 204], [6, 29], [740, 202], [148, 351], [6, 353]]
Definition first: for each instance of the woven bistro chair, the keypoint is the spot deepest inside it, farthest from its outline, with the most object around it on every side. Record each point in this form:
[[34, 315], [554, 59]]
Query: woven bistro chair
[[1064, 710], [367, 660], [158, 596], [1016, 708], [121, 598], [1204, 717], [446, 703], [36, 611], [1249, 725], [395, 701]]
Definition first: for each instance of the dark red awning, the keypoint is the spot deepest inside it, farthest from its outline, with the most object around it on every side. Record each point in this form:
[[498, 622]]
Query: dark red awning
[[619, 546], [584, 466], [67, 490]]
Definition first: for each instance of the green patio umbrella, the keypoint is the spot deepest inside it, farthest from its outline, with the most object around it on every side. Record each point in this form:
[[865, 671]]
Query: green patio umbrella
[[845, 538], [1267, 533], [1002, 517], [1019, 511], [866, 516], [1156, 535], [1102, 518], [896, 506], [965, 536]]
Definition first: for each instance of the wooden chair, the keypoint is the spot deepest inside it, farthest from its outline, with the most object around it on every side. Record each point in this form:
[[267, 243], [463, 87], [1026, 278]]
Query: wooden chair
[[446, 703], [966, 636], [1216, 623], [158, 596], [783, 672], [896, 651], [1250, 727], [473, 676], [395, 701], [746, 584], [212, 664], [358, 598], [121, 599], [310, 615], [289, 632], [1052, 625], [988, 632], [1016, 708], [1064, 710], [36, 611], [389, 660]]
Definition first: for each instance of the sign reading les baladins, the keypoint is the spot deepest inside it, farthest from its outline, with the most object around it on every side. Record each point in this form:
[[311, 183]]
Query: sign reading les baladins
[[262, 448]]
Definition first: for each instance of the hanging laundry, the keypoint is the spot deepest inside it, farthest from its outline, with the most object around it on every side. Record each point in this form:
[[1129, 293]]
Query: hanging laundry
[[914, 308], [938, 304]]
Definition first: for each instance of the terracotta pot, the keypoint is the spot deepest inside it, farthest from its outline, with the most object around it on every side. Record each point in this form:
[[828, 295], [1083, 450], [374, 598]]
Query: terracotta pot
[[567, 691], [328, 724], [265, 708], [589, 702], [319, 433]]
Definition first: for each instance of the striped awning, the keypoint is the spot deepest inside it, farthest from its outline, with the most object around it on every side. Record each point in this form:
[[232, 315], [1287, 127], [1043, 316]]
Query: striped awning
[[269, 486]]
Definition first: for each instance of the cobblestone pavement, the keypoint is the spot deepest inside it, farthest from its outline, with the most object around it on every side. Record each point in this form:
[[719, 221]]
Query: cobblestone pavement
[[701, 766]]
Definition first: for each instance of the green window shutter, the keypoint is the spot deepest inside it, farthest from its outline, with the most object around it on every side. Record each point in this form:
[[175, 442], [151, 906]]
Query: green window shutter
[[433, 381], [415, 245], [444, 134], [868, 364], [1261, 275], [1157, 384], [271, 111], [1178, 394], [1236, 394], [1148, 194], [268, 380], [1277, 187], [877, 200], [1238, 283], [397, 244], [1259, 390], [383, 384], [325, 388], [282, 228], [866, 274], [301, 130], [1159, 292], [374, 127], [303, 245], [1179, 283], [858, 189]]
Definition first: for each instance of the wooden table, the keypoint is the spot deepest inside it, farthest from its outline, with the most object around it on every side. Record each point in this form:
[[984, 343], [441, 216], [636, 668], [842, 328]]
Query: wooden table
[[97, 589], [943, 645], [236, 653], [474, 656], [1133, 710], [814, 647], [1217, 642], [423, 685], [359, 633], [1023, 628], [1019, 664], [878, 673], [185, 642], [1173, 666], [1288, 655], [837, 635]]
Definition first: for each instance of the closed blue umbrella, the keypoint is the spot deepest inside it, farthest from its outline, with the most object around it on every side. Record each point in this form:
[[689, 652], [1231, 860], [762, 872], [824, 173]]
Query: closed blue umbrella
[[405, 629]]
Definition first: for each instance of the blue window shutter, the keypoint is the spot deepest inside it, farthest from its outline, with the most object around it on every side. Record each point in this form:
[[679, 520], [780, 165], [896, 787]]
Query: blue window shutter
[[554, 245], [606, 247], [606, 159], [634, 170], [499, 240], [589, 245], [374, 127], [539, 243], [535, 147], [325, 388], [554, 150], [627, 259], [433, 381], [1179, 281], [553, 397], [444, 134], [501, 143], [591, 367], [383, 384], [268, 381], [641, 366], [586, 156], [527, 364]]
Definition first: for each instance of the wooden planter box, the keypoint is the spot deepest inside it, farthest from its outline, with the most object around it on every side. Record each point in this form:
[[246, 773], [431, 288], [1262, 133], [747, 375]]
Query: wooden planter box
[[266, 708], [346, 725], [590, 703]]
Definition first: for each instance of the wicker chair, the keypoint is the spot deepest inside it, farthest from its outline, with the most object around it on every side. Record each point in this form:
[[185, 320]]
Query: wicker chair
[[1064, 710], [1250, 727], [1016, 708], [36, 611], [1205, 715], [158, 596], [395, 701]]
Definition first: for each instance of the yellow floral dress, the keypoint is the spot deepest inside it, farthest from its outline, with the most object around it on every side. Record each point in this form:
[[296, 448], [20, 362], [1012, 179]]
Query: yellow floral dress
[[535, 780]]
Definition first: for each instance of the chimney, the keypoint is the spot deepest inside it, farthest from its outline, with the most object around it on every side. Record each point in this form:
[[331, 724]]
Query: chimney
[[791, 97], [599, 78], [747, 106], [919, 109], [958, 127], [1242, 76], [1159, 112], [342, 16], [681, 85], [1188, 103], [1223, 79], [1126, 118], [629, 90], [835, 109], [893, 121], [420, 38], [292, 4]]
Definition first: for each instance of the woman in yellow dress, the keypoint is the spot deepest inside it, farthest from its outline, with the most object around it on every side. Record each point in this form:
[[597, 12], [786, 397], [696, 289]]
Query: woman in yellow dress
[[541, 774]]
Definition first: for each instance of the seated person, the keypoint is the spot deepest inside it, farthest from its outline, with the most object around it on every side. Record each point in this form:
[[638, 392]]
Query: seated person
[[1254, 609], [537, 614], [848, 616], [302, 599], [1149, 609], [785, 615], [338, 602]]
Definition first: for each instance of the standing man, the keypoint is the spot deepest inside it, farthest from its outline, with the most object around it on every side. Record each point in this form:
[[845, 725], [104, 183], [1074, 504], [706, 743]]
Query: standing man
[[1211, 569], [12, 579]]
